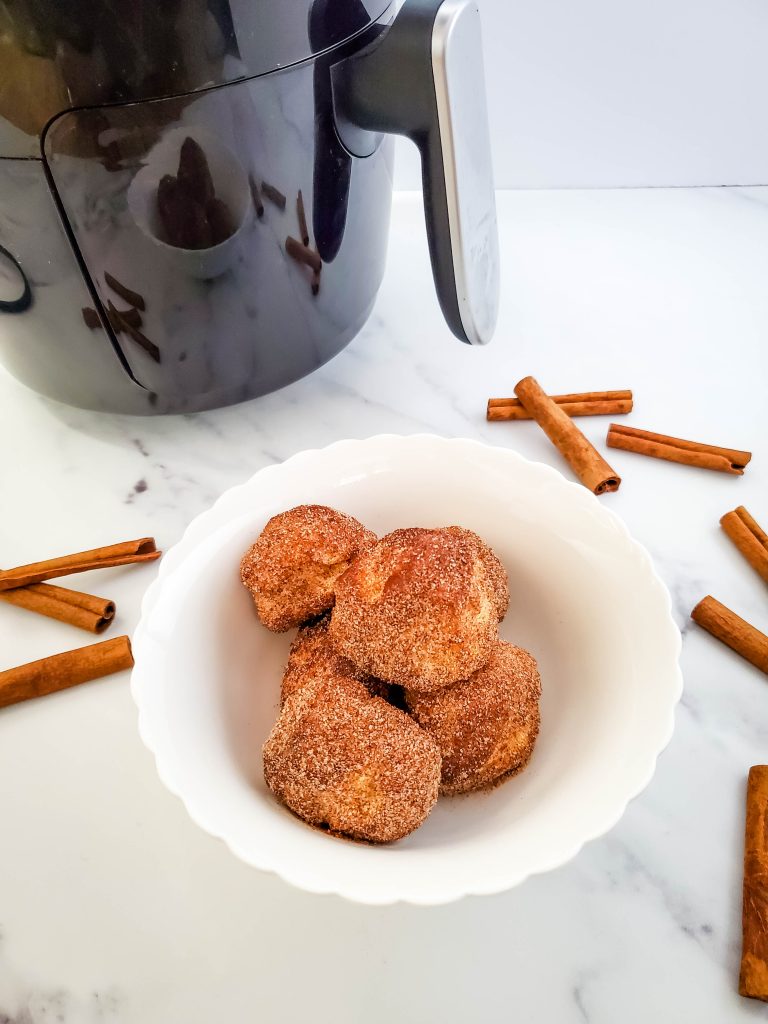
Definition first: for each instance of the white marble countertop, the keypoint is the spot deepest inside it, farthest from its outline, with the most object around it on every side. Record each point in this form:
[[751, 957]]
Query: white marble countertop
[[114, 907]]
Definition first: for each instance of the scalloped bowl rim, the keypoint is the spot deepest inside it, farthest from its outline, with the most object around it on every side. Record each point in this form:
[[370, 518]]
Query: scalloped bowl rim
[[217, 517]]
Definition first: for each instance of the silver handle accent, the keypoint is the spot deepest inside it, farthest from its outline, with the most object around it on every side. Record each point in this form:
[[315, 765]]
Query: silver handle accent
[[467, 163], [423, 78]]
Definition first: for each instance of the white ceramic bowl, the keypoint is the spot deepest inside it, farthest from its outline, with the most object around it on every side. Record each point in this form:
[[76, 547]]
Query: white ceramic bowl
[[229, 181], [585, 600]]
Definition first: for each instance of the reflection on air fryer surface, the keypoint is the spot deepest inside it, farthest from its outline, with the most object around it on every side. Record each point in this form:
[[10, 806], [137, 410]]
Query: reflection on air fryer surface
[[230, 162], [191, 214], [233, 307], [56, 56]]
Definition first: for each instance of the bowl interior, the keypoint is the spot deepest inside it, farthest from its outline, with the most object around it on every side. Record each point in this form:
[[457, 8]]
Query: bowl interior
[[584, 601]]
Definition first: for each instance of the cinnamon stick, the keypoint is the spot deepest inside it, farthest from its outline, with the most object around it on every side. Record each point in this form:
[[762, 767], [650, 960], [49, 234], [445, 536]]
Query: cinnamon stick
[[303, 254], [121, 324], [129, 316], [85, 611], [125, 553], [753, 979], [735, 632], [61, 671], [315, 283], [131, 297], [194, 174], [274, 195], [675, 449], [589, 403], [583, 458], [749, 537], [91, 318], [219, 221], [301, 213], [256, 196]]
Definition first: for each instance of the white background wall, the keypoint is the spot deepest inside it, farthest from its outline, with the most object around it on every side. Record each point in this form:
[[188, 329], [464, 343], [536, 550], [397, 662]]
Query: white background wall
[[600, 93]]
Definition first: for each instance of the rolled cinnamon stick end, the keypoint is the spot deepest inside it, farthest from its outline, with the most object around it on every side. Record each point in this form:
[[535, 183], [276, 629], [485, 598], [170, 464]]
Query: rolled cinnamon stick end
[[728, 627], [677, 449], [303, 254], [256, 197], [749, 537], [124, 553], [194, 174], [85, 611], [62, 671], [583, 458], [590, 403], [753, 979]]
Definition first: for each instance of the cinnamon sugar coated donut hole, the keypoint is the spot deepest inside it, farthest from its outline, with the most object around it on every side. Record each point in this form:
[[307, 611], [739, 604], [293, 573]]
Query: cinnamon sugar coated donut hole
[[292, 569], [420, 608], [486, 726], [497, 574], [350, 763], [314, 659], [397, 687]]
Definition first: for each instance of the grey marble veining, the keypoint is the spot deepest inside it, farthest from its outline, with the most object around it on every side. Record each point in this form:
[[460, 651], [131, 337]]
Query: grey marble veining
[[115, 908]]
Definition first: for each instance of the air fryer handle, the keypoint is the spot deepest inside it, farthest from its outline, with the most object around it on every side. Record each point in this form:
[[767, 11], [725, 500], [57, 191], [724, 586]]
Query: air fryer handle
[[423, 78]]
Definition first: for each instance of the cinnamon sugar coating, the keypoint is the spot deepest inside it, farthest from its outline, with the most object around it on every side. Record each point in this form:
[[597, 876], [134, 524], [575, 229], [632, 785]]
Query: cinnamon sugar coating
[[420, 608], [486, 726], [313, 658], [497, 574], [351, 763], [293, 567]]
